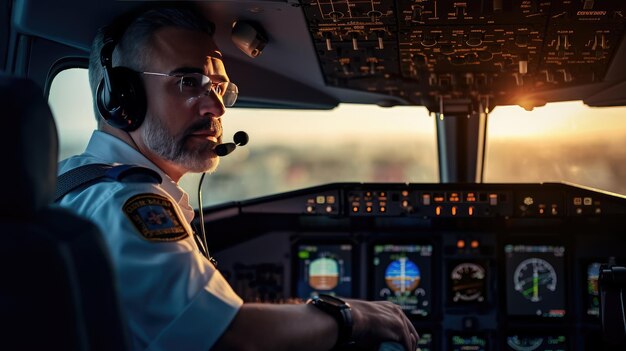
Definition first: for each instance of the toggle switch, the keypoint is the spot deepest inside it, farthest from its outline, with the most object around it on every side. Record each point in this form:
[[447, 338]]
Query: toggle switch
[[327, 38], [379, 38], [523, 64]]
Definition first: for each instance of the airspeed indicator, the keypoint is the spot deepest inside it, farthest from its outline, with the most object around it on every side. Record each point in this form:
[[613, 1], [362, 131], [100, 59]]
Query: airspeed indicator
[[533, 277]]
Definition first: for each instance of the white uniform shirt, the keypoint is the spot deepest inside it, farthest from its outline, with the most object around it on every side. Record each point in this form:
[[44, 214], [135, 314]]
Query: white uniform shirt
[[172, 295]]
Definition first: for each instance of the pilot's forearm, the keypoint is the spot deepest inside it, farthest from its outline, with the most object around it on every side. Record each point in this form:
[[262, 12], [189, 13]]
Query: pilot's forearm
[[279, 327]]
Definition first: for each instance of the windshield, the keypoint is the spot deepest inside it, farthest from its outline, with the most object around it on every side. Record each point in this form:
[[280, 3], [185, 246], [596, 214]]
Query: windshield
[[566, 141], [292, 149], [288, 149]]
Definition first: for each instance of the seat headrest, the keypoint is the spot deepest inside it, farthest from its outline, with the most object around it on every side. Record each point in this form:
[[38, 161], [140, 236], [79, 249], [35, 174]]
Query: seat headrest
[[29, 148]]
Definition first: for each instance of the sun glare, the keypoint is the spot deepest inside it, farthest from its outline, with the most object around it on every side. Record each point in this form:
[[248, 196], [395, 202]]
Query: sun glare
[[552, 120]]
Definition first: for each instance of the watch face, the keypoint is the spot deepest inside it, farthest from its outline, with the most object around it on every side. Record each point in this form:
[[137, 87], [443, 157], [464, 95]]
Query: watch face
[[331, 300]]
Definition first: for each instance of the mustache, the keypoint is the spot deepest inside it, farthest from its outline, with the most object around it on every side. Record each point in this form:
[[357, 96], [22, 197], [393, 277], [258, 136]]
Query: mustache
[[214, 125]]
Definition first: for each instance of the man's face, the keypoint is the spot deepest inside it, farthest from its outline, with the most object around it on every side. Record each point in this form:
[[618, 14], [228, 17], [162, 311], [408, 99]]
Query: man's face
[[180, 128]]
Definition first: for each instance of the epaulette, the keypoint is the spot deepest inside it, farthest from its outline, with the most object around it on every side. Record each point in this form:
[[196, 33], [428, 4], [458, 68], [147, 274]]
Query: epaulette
[[87, 175]]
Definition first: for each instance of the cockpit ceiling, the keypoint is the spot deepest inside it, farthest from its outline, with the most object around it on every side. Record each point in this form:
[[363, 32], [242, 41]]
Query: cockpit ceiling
[[454, 57], [465, 56]]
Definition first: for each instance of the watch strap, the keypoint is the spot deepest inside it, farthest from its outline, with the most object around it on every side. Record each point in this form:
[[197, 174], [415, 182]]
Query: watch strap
[[341, 312]]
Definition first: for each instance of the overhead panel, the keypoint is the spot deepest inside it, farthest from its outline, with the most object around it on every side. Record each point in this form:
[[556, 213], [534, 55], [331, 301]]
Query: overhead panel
[[472, 55]]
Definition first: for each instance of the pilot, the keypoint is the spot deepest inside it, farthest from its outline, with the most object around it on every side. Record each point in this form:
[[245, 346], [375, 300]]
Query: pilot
[[163, 113]]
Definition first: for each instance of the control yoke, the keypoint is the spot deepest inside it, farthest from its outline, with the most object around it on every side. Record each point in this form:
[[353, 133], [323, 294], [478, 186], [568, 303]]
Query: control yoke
[[612, 288]]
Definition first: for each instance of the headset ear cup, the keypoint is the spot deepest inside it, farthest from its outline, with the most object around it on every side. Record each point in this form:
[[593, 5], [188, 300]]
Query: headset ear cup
[[125, 106]]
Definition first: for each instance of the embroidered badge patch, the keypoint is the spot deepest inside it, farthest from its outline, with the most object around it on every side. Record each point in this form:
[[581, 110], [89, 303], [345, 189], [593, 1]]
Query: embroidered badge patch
[[155, 217]]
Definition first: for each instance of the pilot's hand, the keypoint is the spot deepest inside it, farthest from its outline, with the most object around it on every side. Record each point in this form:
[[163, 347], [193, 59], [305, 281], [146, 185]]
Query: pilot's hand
[[380, 321]]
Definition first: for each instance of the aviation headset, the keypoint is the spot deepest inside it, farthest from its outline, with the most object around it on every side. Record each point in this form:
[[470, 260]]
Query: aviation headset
[[120, 96]]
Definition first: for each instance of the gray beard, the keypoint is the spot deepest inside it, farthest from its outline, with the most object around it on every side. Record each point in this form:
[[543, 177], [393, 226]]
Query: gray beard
[[158, 139]]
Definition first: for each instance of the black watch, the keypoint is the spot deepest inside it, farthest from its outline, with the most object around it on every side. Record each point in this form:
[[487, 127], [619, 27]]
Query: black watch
[[340, 311]]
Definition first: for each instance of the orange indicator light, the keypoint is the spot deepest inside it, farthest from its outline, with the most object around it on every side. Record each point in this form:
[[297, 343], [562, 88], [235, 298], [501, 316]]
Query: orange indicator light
[[470, 197], [460, 244], [474, 244]]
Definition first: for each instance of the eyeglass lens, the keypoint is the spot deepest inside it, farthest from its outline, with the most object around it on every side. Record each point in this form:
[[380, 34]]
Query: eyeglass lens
[[196, 84]]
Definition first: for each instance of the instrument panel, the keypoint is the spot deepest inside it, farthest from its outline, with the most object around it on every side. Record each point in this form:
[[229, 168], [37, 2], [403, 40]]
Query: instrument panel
[[518, 272]]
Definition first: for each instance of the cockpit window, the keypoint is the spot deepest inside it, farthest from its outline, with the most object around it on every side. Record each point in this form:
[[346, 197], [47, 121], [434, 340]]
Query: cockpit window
[[71, 104], [566, 141], [292, 149], [288, 149]]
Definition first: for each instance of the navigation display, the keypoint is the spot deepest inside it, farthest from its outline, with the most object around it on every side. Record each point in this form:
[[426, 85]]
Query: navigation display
[[467, 282], [324, 269], [468, 343], [593, 293], [402, 275], [535, 280], [536, 343]]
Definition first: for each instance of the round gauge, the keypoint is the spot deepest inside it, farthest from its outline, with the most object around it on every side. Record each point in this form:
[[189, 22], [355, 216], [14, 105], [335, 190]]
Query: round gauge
[[534, 276], [324, 273], [402, 275], [518, 343], [468, 282]]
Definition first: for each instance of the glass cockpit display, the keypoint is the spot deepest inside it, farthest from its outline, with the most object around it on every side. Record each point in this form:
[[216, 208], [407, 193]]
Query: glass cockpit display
[[324, 269], [467, 282], [402, 275], [464, 342], [536, 343], [425, 342], [593, 293], [535, 280]]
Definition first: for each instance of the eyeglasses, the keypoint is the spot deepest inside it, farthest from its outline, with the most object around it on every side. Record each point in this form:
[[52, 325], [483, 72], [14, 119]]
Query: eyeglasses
[[193, 85]]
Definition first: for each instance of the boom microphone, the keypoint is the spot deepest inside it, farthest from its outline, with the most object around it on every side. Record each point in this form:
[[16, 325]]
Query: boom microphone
[[240, 138]]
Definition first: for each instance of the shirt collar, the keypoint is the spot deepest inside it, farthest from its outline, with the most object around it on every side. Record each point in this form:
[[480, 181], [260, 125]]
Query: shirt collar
[[114, 150]]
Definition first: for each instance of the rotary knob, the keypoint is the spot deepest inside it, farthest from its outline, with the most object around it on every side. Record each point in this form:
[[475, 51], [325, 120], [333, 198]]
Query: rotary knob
[[474, 39]]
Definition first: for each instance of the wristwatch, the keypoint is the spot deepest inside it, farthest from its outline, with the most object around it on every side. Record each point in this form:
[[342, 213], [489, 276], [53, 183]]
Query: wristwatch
[[341, 312]]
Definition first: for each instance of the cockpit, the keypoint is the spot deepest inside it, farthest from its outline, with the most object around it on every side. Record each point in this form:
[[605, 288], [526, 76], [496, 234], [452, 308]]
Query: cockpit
[[462, 159]]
